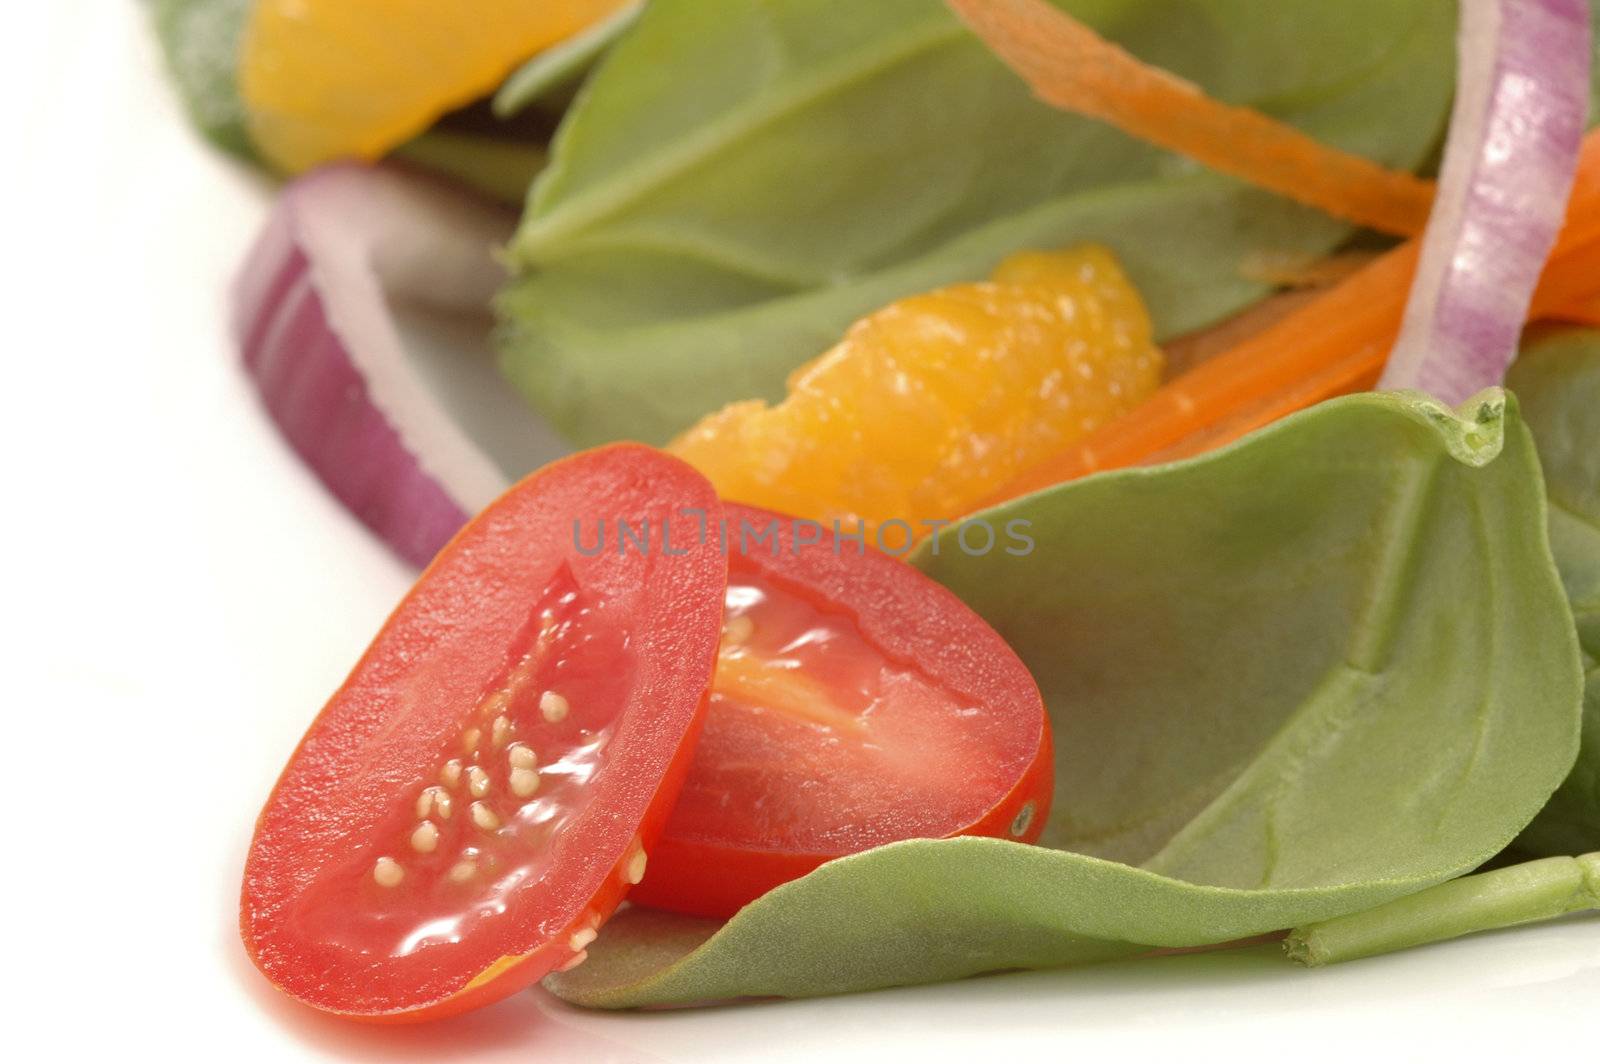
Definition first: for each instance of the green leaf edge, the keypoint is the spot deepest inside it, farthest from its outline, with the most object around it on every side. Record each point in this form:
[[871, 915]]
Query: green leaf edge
[[562, 65], [205, 78], [1570, 823]]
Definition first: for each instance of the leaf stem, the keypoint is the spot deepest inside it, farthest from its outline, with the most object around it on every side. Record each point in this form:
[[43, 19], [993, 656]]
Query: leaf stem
[[1505, 897]]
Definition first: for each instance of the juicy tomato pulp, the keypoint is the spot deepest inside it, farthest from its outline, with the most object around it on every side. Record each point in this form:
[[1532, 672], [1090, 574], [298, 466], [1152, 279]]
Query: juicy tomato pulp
[[856, 703], [490, 780]]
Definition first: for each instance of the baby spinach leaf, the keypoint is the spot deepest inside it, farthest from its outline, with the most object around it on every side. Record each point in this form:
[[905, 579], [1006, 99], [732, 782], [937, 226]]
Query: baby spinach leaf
[[1558, 383], [739, 182], [1324, 668], [498, 167], [201, 41], [548, 80]]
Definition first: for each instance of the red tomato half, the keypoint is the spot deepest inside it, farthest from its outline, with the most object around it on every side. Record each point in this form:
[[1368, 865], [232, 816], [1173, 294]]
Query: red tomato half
[[856, 703], [487, 784]]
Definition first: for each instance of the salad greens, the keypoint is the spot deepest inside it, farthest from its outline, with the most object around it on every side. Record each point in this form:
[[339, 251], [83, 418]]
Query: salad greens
[[201, 41], [497, 167], [1558, 382], [1297, 678], [1304, 681], [550, 78], [675, 257]]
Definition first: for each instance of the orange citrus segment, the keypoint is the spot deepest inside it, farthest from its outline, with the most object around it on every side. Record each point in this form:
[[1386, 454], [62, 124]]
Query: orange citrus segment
[[329, 79], [929, 404]]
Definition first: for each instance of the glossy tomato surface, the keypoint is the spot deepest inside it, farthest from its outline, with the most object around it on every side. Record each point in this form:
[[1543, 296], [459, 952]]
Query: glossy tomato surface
[[492, 777], [856, 703]]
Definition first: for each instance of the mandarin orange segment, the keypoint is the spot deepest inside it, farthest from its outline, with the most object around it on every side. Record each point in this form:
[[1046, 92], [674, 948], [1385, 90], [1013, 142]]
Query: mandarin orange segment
[[330, 79], [929, 404]]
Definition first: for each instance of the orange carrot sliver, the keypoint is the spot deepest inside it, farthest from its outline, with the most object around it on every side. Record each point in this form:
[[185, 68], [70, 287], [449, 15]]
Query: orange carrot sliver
[[1348, 317], [1577, 268], [1070, 66], [1585, 312], [1335, 344], [1357, 371], [1564, 290]]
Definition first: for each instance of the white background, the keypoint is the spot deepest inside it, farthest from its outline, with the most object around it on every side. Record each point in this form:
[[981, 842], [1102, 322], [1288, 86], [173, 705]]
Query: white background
[[179, 598]]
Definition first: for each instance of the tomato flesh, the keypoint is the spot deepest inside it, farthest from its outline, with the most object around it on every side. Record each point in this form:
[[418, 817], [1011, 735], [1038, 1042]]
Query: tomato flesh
[[856, 703], [476, 799], [491, 815]]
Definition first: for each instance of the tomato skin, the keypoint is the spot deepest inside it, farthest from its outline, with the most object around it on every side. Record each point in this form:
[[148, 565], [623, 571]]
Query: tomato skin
[[912, 618], [443, 646], [706, 879]]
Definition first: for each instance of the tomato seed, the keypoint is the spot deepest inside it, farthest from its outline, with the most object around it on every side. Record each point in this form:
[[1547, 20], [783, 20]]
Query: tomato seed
[[739, 630], [524, 782], [554, 707], [426, 838], [435, 800], [387, 872]]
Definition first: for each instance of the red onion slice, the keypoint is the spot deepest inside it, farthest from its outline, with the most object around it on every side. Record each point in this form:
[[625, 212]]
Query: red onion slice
[[1521, 99], [363, 312]]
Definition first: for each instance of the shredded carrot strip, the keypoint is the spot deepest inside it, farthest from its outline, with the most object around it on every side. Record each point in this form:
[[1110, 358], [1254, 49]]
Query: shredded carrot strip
[[1584, 312], [1196, 348], [1288, 270], [1335, 344], [1070, 66], [1566, 294], [1361, 312], [1358, 371]]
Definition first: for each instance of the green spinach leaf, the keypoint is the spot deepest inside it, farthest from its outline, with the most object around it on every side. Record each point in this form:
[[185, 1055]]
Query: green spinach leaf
[[1310, 673], [741, 181], [549, 80], [201, 41], [1558, 383], [499, 167]]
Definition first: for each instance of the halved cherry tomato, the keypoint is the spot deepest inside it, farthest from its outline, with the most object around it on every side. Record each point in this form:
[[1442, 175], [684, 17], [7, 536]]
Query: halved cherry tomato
[[856, 703], [487, 784]]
